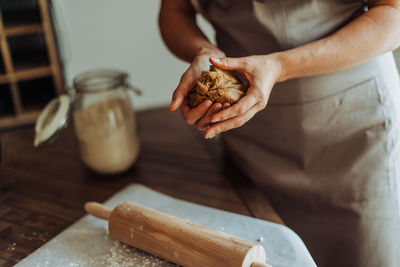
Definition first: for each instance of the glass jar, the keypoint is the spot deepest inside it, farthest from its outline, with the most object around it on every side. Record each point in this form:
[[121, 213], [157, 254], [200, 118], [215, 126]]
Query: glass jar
[[104, 121]]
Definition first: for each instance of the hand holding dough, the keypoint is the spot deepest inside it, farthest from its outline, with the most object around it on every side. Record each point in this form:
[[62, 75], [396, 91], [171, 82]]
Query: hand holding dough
[[220, 86]]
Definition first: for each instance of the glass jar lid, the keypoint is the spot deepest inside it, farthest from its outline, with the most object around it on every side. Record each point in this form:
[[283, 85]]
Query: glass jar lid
[[99, 81], [53, 120]]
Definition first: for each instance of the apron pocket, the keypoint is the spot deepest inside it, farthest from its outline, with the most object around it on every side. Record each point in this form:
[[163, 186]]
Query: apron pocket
[[308, 127], [337, 141]]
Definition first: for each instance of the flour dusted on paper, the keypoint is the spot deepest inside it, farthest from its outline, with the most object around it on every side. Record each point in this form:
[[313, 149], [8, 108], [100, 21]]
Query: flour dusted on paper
[[121, 255]]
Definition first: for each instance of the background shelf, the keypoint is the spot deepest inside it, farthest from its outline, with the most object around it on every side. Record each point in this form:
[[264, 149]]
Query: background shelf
[[30, 74], [20, 12], [2, 68], [35, 94], [23, 29], [6, 106], [28, 51]]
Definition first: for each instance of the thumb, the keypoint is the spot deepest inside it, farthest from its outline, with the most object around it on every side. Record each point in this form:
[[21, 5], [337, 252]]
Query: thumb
[[181, 91], [228, 63]]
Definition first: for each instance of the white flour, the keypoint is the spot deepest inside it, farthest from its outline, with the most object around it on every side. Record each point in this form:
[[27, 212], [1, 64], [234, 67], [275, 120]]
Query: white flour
[[122, 255], [106, 134]]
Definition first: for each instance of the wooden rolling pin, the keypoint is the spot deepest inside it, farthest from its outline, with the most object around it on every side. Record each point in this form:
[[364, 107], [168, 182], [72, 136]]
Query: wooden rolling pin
[[175, 239]]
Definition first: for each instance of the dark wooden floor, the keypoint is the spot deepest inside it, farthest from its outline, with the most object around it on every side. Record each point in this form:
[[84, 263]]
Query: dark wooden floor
[[42, 190]]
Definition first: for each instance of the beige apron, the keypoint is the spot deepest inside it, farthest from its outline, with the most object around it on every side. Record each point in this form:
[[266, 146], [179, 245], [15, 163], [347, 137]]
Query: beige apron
[[326, 150]]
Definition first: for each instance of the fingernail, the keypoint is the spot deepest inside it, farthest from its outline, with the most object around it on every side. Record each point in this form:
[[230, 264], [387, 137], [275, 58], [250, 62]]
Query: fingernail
[[216, 60], [209, 136]]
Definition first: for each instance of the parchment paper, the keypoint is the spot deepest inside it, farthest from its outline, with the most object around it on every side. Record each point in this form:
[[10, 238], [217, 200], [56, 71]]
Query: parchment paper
[[87, 243]]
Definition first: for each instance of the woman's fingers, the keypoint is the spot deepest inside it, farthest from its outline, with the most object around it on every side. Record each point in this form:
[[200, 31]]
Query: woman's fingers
[[227, 63], [227, 125], [193, 115], [205, 121], [241, 107], [222, 117], [181, 91]]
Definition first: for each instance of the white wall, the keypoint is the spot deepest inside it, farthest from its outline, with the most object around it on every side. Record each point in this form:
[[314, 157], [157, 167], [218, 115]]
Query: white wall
[[121, 34]]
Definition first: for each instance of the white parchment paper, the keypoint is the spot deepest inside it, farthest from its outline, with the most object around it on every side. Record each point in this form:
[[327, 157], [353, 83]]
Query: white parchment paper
[[87, 243]]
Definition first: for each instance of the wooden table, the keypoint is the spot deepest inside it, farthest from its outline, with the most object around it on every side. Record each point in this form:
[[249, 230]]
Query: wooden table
[[42, 190]]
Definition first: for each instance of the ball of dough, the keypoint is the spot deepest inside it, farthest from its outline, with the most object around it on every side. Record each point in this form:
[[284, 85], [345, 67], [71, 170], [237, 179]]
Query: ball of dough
[[220, 86]]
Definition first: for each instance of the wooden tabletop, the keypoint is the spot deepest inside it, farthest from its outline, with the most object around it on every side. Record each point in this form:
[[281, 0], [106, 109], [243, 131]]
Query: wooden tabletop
[[42, 190]]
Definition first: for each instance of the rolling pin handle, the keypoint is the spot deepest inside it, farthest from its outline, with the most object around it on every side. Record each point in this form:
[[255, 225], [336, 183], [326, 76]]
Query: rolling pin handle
[[98, 210], [259, 264]]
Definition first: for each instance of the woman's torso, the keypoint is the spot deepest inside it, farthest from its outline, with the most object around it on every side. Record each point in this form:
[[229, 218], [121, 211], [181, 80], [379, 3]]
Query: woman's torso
[[256, 27], [327, 146], [248, 27]]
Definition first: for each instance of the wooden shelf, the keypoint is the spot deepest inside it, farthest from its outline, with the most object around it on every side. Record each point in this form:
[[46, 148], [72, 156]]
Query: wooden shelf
[[2, 67], [18, 19], [30, 72], [22, 29], [20, 12], [33, 73], [29, 62], [28, 51], [26, 74], [21, 119], [6, 106], [28, 89], [4, 78]]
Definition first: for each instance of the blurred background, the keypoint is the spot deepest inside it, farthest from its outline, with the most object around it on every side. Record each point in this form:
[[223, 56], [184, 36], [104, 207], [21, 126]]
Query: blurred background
[[119, 34], [89, 34]]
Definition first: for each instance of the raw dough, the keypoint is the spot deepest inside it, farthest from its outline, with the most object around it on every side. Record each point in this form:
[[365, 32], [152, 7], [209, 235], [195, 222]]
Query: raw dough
[[218, 85]]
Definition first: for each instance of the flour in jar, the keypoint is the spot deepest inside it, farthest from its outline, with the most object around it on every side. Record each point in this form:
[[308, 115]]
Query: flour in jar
[[107, 136]]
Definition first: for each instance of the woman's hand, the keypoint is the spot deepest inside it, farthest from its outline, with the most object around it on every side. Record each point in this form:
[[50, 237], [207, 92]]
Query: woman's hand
[[201, 115], [262, 72]]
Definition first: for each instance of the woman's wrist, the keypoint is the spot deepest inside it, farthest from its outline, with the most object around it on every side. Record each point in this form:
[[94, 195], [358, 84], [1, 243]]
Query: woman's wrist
[[288, 68], [275, 63]]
